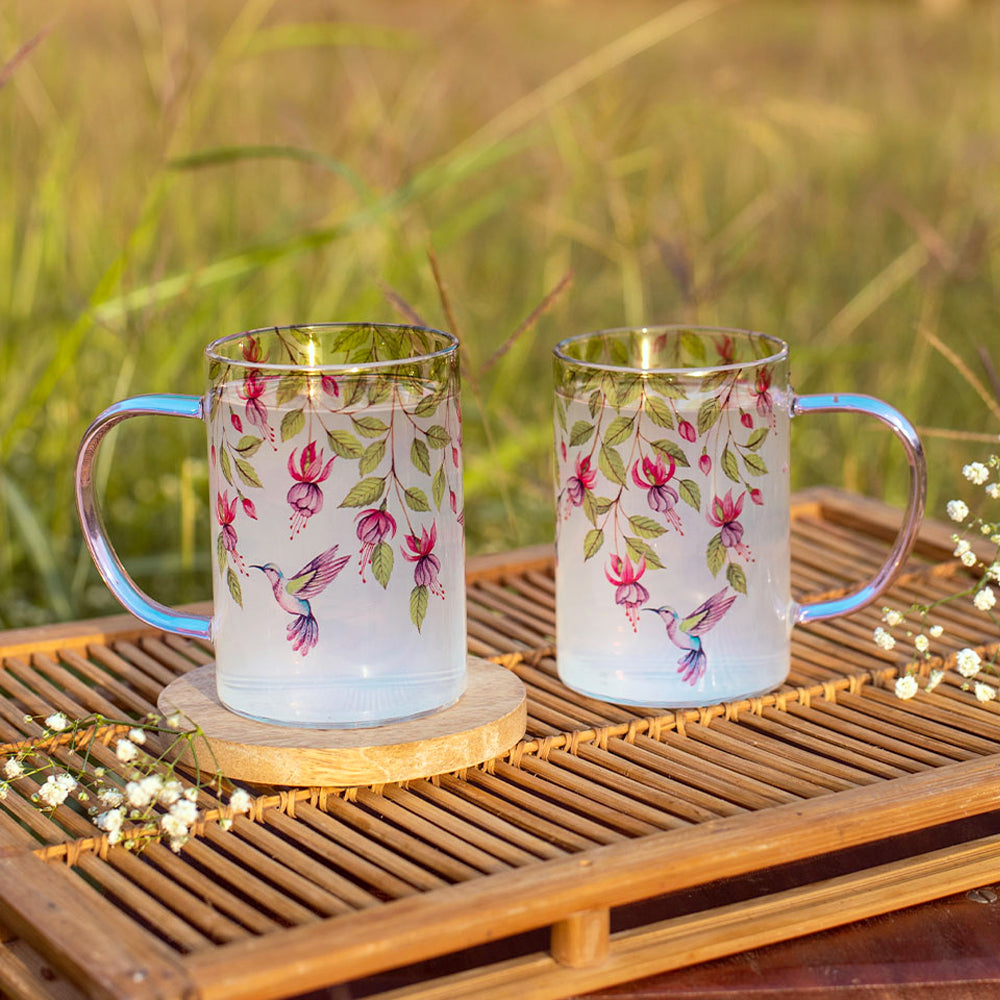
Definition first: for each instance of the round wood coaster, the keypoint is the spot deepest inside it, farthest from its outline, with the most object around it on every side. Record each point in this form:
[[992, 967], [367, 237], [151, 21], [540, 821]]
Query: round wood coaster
[[487, 720]]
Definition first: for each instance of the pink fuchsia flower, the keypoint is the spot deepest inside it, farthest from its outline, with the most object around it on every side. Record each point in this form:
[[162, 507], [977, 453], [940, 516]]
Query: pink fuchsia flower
[[653, 479], [757, 497], [251, 349], [234, 418], [305, 497], [725, 347], [762, 393], [426, 564], [374, 526], [577, 486], [705, 463], [628, 591], [249, 509], [724, 514], [686, 430], [256, 412], [330, 386], [225, 513], [746, 419]]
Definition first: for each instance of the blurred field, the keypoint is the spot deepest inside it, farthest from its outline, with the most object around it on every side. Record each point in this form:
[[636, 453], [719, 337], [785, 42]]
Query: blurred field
[[174, 171]]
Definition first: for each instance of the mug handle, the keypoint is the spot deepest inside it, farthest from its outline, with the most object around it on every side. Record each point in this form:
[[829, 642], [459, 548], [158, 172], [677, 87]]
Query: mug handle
[[104, 555], [905, 431]]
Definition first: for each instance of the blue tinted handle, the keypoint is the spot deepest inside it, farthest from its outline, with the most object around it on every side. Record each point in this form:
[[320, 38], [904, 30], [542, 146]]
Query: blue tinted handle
[[105, 557], [852, 403]]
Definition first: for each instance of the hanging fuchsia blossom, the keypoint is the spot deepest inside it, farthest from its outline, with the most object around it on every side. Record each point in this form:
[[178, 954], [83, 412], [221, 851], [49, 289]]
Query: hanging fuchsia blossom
[[427, 565], [256, 412], [305, 497], [686, 430], [225, 513], [705, 463], [654, 479], [249, 509], [725, 514], [577, 486], [628, 591], [251, 349], [330, 386], [762, 393], [374, 526], [236, 422]]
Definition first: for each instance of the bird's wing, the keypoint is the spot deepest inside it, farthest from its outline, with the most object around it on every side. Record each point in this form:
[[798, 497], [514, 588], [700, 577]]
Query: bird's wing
[[706, 617], [313, 578]]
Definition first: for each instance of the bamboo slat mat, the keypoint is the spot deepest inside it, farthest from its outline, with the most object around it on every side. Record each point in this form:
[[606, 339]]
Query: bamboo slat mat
[[598, 807]]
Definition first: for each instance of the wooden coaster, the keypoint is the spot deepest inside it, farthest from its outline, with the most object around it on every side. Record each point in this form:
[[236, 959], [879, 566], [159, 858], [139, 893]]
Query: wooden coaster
[[487, 720]]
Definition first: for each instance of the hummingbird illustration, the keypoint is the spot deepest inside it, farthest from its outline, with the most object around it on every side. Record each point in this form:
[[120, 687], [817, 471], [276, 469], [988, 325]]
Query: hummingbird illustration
[[294, 594], [685, 633]]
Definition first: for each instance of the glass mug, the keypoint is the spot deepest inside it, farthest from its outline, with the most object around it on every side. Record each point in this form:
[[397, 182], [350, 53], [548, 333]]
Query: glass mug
[[335, 469], [673, 529]]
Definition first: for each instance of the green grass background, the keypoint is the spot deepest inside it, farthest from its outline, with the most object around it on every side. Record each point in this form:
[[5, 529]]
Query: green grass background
[[174, 171]]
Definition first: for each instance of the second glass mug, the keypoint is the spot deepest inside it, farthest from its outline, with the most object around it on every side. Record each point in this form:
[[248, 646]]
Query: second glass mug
[[338, 539], [673, 530]]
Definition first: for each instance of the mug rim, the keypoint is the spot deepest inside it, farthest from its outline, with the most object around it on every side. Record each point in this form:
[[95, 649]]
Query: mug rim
[[780, 349], [451, 347]]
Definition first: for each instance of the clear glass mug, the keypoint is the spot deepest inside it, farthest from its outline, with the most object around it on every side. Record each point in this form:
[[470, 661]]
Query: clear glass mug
[[673, 530], [335, 469]]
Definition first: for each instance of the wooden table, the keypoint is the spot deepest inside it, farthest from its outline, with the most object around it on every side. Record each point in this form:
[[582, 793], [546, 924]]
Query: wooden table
[[606, 847]]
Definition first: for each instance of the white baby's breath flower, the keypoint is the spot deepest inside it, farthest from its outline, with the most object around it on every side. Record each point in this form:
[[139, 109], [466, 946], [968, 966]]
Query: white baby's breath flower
[[170, 792], [176, 720], [185, 811], [53, 793], [906, 686], [110, 797], [13, 769], [191, 794], [137, 736], [921, 643], [984, 599], [225, 824], [935, 678], [935, 631], [993, 572], [976, 473], [136, 795], [962, 547], [968, 559], [57, 722], [967, 662], [984, 692], [126, 750], [892, 617], [240, 801], [957, 510], [993, 491], [111, 820], [3, 790], [883, 639]]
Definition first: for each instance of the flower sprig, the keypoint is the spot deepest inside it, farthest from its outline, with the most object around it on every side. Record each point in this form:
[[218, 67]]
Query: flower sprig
[[981, 593], [133, 805]]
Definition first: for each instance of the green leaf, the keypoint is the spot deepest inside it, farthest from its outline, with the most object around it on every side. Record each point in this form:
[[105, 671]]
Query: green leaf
[[418, 605], [427, 406], [289, 387], [757, 438], [588, 508], [611, 464], [225, 466], [694, 347], [378, 391], [248, 445], [755, 464], [708, 413], [345, 444], [592, 543], [658, 412], [438, 485], [729, 466], [581, 433], [619, 430], [646, 527], [247, 474], [674, 450], [737, 578], [602, 505], [690, 493], [233, 582], [561, 412], [367, 492], [595, 402], [291, 423], [715, 554], [438, 437], [420, 456], [369, 427], [351, 392], [382, 559], [667, 386], [625, 390], [638, 549], [373, 454], [220, 552], [416, 499]]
